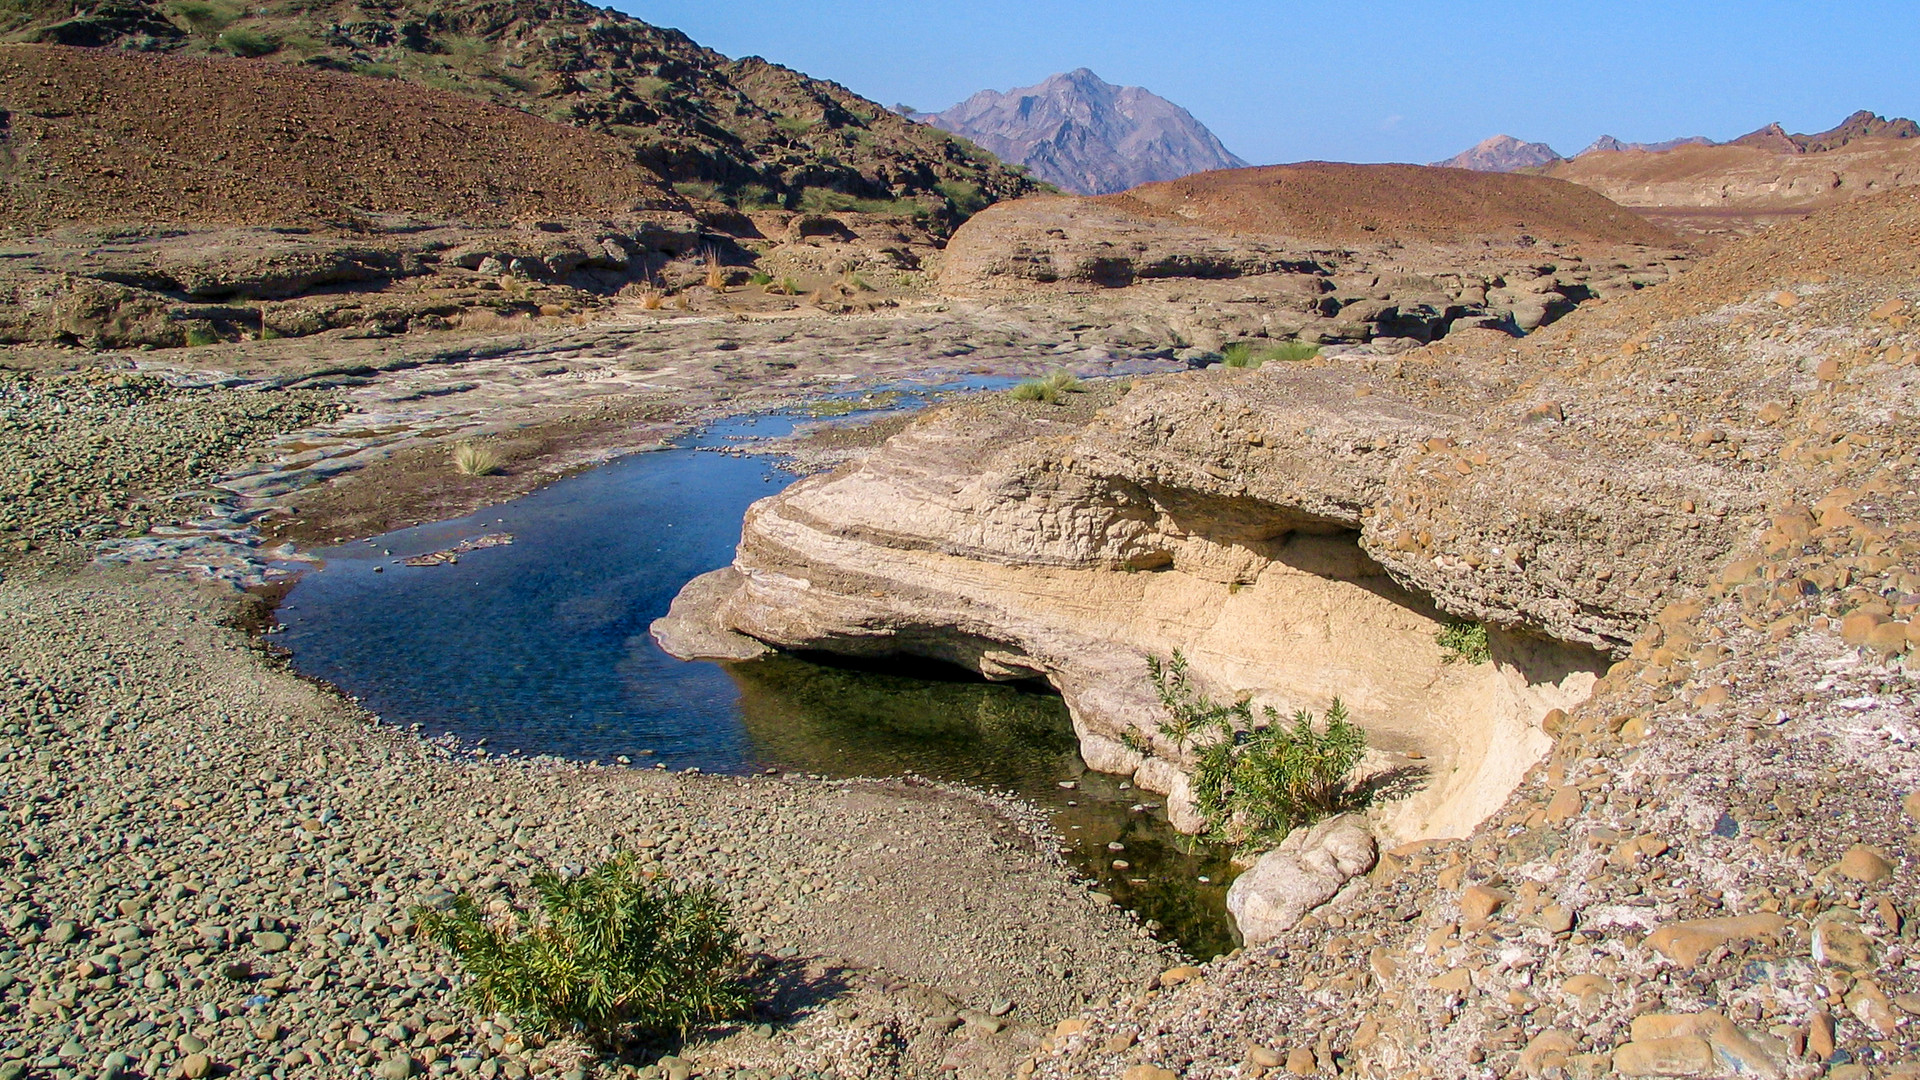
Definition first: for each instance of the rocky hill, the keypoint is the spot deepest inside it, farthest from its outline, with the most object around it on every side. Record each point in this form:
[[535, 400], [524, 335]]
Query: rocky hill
[[130, 139], [747, 131], [1861, 125], [1698, 863], [1339, 202], [1713, 192], [1085, 135], [1502, 153], [1385, 255]]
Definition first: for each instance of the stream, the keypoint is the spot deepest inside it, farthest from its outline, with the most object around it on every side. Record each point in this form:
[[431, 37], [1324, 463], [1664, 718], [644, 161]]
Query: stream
[[540, 646]]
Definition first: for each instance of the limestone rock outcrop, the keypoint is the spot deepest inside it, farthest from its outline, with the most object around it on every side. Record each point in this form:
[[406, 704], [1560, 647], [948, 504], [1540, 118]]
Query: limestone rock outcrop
[[1305, 871], [1299, 532]]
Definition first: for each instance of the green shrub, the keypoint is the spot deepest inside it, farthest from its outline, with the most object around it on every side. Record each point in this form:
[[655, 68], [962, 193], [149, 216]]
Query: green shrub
[[201, 335], [1463, 643], [377, 71], [1051, 389], [759, 277], [609, 951], [1254, 783], [793, 125], [241, 41], [817, 200], [205, 17], [1243, 354], [963, 198]]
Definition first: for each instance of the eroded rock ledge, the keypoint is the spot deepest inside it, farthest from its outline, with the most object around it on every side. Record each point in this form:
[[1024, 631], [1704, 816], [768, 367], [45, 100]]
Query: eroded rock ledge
[[1300, 532]]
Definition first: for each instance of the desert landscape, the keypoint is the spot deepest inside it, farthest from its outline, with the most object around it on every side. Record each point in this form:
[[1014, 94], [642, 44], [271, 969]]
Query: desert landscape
[[530, 547]]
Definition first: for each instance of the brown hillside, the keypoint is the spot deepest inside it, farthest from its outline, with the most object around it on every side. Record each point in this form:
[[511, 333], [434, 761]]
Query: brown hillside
[[1387, 202], [100, 137], [1735, 189]]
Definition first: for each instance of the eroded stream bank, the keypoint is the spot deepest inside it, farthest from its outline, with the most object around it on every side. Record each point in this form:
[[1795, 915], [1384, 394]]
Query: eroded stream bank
[[534, 641]]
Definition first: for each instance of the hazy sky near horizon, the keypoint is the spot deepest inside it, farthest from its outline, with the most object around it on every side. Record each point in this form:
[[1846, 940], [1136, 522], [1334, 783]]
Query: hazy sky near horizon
[[1387, 81]]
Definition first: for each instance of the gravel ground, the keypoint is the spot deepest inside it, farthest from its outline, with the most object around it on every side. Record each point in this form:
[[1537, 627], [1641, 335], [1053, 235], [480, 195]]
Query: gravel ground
[[207, 855], [208, 862]]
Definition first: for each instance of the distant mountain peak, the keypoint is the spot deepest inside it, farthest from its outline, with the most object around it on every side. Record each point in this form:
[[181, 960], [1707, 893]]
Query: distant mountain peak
[[1606, 144], [1502, 153], [1083, 134]]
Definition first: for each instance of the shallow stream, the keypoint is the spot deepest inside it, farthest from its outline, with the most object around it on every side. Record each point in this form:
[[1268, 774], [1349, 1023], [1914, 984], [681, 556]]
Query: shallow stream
[[540, 646]]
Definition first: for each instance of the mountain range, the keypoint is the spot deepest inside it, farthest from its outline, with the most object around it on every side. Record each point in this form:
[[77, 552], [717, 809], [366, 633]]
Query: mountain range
[[1085, 135], [1504, 153]]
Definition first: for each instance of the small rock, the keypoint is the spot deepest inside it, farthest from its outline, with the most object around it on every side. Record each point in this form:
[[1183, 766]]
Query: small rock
[[1300, 1062], [1148, 1072], [196, 1066], [1686, 943], [1685, 1055], [397, 1067], [1864, 864], [1175, 976], [1838, 942], [271, 941], [1478, 903]]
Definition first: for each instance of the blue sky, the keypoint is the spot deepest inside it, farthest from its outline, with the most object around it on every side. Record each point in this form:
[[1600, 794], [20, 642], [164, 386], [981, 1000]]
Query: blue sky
[[1393, 81]]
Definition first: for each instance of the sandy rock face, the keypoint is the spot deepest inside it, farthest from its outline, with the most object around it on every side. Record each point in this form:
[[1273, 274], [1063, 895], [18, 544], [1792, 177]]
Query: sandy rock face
[[1305, 871]]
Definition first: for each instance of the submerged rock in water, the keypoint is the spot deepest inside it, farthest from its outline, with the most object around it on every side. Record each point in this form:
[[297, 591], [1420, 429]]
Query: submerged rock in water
[[690, 629], [1305, 871]]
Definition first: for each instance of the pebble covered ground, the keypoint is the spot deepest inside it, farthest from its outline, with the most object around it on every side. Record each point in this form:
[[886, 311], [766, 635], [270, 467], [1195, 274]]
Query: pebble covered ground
[[211, 862]]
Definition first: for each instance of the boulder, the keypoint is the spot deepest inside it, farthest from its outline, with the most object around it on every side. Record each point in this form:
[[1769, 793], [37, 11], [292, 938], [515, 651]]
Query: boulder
[[1305, 871]]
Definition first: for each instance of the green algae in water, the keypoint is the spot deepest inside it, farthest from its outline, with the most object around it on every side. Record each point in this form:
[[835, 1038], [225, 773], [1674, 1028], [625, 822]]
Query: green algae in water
[[841, 720]]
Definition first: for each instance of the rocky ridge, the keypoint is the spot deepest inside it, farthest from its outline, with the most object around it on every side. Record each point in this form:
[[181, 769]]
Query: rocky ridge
[[1082, 134], [1682, 883]]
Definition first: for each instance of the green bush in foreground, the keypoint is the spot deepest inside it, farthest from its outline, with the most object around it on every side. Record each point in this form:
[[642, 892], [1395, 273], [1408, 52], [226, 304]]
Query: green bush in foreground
[[1463, 643], [1256, 783], [1243, 354], [609, 950], [1051, 389]]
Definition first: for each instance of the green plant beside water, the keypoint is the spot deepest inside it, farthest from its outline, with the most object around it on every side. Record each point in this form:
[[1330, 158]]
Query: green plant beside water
[[1051, 389], [1243, 354], [1256, 782], [1463, 643], [610, 951]]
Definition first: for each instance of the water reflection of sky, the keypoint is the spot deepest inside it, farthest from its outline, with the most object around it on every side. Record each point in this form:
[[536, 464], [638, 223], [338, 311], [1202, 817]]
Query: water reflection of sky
[[542, 646]]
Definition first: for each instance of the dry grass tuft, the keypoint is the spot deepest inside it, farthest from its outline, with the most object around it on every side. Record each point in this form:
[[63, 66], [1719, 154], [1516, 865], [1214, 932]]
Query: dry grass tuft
[[472, 459]]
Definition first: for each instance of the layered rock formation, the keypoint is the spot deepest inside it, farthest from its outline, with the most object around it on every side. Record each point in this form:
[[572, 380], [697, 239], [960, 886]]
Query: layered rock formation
[[1319, 252], [1083, 134]]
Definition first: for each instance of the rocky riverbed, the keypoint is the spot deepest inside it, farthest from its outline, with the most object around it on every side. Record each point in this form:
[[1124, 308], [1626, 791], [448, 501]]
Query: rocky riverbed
[[210, 862]]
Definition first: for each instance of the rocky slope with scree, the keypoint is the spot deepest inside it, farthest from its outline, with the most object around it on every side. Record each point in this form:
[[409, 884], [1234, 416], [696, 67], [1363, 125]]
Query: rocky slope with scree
[[749, 130]]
